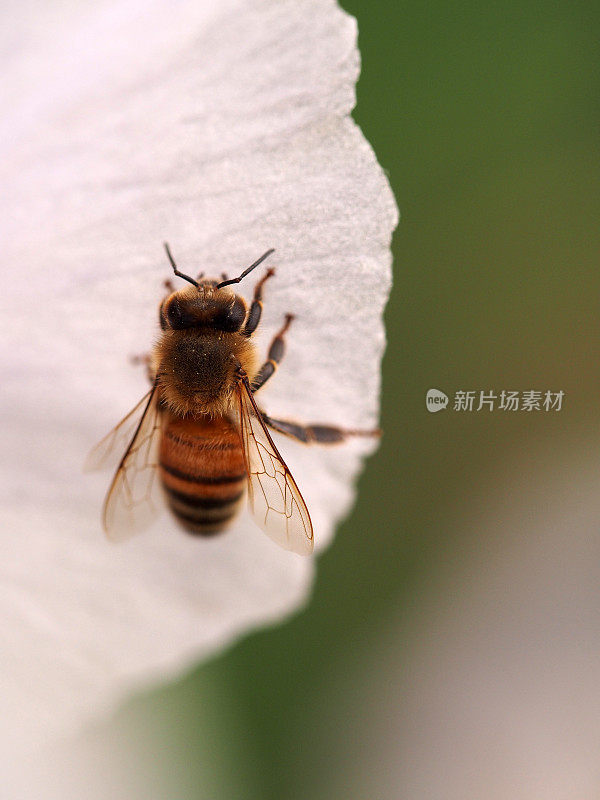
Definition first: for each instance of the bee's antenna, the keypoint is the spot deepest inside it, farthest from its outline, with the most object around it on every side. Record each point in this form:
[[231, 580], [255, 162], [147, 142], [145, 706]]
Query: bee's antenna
[[175, 270], [246, 271]]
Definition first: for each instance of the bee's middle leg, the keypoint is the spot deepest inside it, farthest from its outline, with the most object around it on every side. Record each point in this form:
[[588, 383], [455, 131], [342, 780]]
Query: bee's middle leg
[[276, 351], [144, 359]]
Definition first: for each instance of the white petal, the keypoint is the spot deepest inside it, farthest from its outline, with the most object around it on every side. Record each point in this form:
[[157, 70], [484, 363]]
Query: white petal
[[223, 129]]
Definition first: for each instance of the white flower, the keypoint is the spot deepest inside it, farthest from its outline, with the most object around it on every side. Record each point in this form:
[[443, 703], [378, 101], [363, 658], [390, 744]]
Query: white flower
[[223, 129]]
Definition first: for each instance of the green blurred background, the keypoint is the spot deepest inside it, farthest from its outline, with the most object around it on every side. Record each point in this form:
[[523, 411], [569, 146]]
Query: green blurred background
[[486, 118]]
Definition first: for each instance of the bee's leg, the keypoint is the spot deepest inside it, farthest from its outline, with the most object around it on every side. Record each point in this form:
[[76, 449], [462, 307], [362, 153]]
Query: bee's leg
[[169, 286], [315, 434], [256, 307], [146, 360], [276, 352]]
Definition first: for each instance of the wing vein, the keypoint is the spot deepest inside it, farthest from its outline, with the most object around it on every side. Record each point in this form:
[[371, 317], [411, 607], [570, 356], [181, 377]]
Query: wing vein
[[274, 497]]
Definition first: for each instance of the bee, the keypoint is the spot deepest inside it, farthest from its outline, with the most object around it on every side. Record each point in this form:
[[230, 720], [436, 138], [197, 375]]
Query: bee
[[198, 438]]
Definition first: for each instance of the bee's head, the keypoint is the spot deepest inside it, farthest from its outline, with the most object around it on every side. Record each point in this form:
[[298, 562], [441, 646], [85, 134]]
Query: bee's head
[[206, 304]]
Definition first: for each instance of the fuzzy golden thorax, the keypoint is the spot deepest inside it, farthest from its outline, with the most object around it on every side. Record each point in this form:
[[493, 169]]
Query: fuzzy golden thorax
[[200, 349]]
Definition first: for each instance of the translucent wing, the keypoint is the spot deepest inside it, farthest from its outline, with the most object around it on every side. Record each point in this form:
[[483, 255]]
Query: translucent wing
[[274, 498], [134, 497], [116, 442]]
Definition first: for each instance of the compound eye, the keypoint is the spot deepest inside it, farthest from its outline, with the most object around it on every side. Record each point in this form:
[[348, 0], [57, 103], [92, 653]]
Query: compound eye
[[178, 317], [232, 319]]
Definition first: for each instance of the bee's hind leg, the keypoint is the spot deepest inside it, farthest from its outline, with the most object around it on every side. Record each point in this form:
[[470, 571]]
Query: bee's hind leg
[[316, 433]]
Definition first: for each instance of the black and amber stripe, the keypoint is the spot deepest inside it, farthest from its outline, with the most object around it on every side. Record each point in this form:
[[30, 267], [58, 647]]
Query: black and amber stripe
[[202, 471]]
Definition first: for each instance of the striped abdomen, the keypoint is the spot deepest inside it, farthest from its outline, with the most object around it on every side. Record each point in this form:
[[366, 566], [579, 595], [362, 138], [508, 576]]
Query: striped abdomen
[[202, 471]]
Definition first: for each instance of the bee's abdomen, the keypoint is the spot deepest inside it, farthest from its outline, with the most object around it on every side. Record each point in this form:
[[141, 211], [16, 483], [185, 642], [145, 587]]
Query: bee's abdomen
[[203, 473]]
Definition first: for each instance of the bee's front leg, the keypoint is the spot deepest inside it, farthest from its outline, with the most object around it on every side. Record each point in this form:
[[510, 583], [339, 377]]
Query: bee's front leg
[[276, 351], [255, 312]]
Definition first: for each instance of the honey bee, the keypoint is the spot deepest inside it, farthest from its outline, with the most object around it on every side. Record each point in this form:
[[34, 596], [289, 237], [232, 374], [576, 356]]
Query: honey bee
[[198, 438]]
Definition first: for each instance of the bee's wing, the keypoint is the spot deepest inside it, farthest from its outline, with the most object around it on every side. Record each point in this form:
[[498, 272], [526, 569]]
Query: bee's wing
[[274, 498], [134, 497], [116, 442]]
